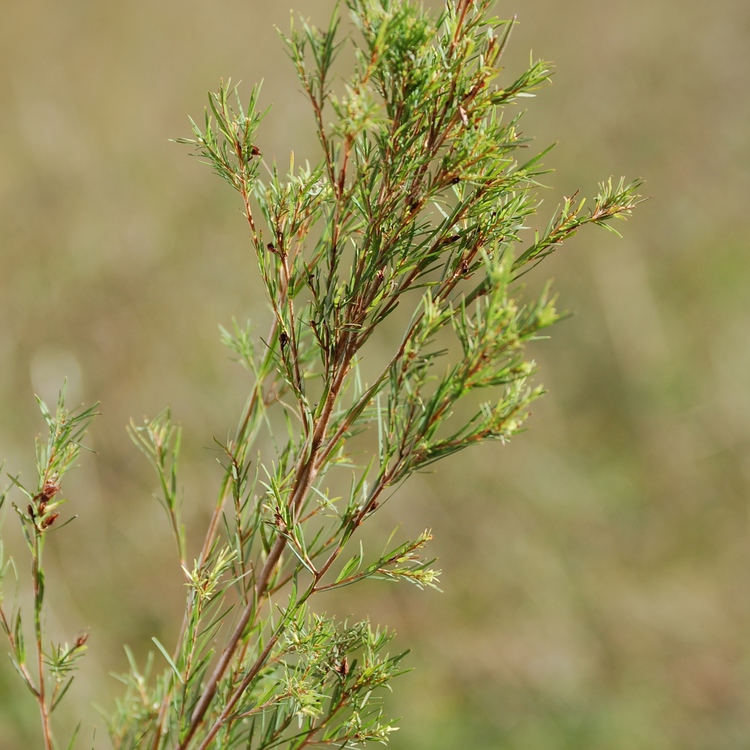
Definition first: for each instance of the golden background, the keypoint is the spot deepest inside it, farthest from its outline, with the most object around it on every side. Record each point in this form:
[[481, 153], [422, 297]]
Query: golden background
[[595, 570]]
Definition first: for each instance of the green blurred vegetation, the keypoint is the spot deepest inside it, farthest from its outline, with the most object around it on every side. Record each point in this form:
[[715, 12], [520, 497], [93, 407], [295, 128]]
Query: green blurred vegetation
[[595, 569]]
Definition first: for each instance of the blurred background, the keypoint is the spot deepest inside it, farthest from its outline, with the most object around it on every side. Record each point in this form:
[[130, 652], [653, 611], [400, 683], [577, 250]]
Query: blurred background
[[596, 590]]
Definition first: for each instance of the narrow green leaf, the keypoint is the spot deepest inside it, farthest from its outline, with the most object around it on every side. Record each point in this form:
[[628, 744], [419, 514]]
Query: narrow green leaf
[[168, 658]]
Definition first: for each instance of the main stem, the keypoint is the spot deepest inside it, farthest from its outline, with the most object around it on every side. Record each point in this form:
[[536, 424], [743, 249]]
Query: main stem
[[36, 571], [306, 472]]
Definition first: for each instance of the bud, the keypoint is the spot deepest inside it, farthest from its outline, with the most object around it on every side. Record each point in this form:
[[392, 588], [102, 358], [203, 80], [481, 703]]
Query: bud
[[343, 668], [49, 520]]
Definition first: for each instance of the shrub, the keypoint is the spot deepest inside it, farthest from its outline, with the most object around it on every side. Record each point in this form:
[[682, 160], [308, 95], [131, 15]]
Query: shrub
[[419, 204]]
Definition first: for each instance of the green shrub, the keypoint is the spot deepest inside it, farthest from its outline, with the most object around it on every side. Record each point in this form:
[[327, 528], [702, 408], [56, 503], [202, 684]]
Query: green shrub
[[419, 203]]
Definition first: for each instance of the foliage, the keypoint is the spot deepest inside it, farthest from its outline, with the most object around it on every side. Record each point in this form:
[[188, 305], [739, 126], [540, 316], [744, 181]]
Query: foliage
[[420, 204], [47, 673]]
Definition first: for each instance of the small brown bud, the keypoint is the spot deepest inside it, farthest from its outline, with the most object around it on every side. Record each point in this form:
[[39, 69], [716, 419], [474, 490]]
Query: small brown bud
[[283, 339], [343, 668], [50, 489], [47, 522], [81, 640], [254, 150]]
